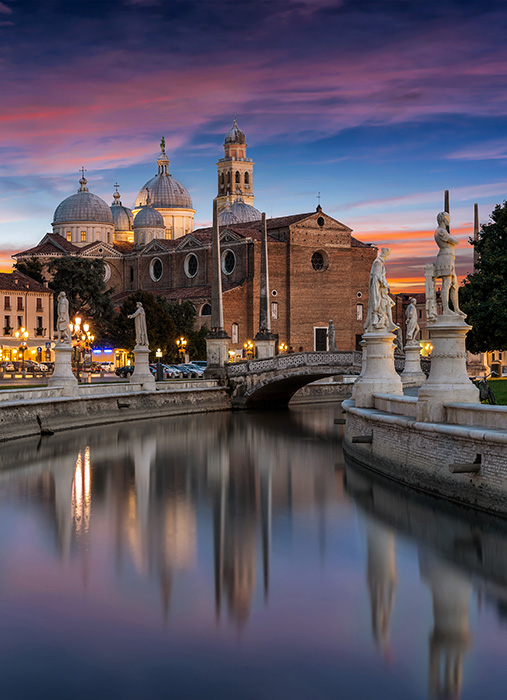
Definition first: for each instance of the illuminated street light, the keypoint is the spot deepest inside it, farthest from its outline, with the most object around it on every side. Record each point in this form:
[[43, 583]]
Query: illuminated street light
[[181, 343]]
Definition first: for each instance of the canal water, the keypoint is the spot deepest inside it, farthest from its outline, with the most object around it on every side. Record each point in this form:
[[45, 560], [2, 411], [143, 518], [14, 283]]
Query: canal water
[[238, 556]]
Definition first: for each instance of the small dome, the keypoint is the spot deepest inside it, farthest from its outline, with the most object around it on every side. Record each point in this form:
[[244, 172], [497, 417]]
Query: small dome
[[235, 135], [122, 216], [244, 212], [227, 217], [83, 206], [148, 217]]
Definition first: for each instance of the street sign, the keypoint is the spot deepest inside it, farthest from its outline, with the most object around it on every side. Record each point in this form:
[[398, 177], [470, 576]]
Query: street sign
[[39, 350], [48, 346]]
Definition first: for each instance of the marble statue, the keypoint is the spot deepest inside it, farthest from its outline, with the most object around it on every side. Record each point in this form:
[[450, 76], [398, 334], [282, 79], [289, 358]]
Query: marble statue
[[398, 341], [413, 327], [139, 317], [430, 293], [444, 267], [331, 335], [379, 302], [63, 320]]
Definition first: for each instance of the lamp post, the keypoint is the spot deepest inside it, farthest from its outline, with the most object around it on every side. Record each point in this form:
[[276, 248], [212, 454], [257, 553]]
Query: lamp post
[[22, 335], [181, 343], [82, 339], [160, 375], [282, 347], [249, 348]]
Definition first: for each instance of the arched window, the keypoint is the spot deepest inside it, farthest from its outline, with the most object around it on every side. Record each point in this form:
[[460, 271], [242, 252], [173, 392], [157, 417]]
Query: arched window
[[238, 181], [229, 177], [235, 334], [359, 312], [206, 310], [274, 310], [247, 179]]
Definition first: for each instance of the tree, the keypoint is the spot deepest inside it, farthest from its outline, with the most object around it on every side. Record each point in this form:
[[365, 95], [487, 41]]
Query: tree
[[32, 267], [483, 296], [161, 329], [82, 279]]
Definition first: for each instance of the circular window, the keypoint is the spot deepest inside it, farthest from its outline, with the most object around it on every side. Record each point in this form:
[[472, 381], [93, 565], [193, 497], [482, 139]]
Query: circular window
[[101, 250], [228, 262], [107, 272], [156, 269], [191, 265], [321, 221], [320, 261], [274, 293], [359, 295], [206, 310]]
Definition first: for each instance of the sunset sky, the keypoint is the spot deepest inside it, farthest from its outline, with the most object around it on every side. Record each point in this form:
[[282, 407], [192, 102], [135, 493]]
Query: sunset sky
[[379, 106]]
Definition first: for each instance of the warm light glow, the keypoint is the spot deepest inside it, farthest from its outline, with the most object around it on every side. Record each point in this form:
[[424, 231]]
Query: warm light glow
[[86, 327], [77, 321]]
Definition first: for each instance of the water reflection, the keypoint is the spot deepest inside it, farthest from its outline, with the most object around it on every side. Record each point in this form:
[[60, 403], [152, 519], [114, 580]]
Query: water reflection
[[256, 527]]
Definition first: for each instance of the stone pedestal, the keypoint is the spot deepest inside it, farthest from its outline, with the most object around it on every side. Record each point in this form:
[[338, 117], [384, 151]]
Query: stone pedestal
[[142, 374], [265, 345], [448, 381], [63, 375], [217, 355], [378, 375], [412, 373]]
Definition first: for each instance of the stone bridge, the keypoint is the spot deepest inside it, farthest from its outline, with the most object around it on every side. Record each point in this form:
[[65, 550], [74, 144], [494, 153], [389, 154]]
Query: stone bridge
[[271, 383]]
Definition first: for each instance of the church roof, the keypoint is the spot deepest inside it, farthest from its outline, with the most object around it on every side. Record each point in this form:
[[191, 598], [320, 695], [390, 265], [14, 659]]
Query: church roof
[[13, 281], [83, 206], [52, 244], [235, 135]]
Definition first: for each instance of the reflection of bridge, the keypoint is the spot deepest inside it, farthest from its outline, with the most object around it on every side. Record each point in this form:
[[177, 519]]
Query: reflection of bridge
[[272, 382]]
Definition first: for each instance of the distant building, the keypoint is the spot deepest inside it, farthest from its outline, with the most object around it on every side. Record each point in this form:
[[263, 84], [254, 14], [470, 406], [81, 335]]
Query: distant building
[[27, 318]]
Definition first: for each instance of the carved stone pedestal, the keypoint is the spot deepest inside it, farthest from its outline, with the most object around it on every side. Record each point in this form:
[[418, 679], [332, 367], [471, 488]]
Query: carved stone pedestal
[[448, 381], [412, 373], [63, 375], [265, 345], [142, 374], [378, 375], [217, 355]]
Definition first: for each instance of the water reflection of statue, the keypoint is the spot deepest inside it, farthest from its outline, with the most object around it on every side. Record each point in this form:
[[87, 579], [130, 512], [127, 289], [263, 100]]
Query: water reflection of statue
[[379, 303], [139, 317], [331, 334], [444, 267], [63, 319], [411, 321]]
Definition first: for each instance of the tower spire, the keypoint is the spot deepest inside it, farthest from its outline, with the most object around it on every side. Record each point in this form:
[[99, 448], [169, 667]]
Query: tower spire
[[83, 181], [116, 195]]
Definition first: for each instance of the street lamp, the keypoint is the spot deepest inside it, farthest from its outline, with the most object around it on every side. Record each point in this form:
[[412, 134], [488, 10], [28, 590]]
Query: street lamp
[[22, 334], [82, 339], [282, 347], [249, 348], [181, 344]]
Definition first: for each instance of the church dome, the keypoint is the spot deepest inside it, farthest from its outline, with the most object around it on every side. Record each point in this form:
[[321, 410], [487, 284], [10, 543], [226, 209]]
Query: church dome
[[165, 191], [227, 217], [123, 219], [235, 135], [148, 217], [244, 212], [83, 206]]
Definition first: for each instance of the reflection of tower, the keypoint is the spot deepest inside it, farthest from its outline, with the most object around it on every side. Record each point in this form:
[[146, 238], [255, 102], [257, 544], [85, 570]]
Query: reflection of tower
[[451, 635], [381, 580]]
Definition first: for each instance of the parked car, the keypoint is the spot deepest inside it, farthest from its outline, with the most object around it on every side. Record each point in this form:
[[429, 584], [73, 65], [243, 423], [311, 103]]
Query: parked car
[[7, 367], [200, 363], [107, 366], [194, 372], [172, 372], [125, 372]]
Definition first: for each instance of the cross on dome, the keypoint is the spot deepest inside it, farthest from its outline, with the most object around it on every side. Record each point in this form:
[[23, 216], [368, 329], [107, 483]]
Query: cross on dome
[[83, 181]]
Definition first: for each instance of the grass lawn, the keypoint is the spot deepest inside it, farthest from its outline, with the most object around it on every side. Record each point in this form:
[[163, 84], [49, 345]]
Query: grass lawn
[[499, 387]]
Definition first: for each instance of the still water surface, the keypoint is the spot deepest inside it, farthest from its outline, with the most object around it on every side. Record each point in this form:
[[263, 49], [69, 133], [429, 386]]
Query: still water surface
[[238, 556]]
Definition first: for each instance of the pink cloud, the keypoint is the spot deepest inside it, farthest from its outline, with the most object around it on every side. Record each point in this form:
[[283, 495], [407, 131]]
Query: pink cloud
[[5, 9]]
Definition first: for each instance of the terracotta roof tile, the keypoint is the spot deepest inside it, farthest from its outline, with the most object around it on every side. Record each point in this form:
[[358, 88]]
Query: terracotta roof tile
[[24, 283]]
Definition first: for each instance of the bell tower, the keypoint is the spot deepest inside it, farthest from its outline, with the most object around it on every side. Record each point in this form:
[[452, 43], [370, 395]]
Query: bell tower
[[235, 170]]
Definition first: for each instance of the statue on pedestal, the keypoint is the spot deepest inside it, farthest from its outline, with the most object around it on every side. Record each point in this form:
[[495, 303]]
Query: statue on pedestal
[[379, 302], [411, 321], [431, 295], [331, 336], [444, 268], [63, 320], [139, 317]]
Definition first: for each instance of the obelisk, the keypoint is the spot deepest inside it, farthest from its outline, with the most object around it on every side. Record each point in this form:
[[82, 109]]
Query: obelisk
[[264, 340], [217, 340]]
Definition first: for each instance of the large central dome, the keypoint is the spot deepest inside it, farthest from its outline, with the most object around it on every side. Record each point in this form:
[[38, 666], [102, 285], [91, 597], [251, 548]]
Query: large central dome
[[165, 191]]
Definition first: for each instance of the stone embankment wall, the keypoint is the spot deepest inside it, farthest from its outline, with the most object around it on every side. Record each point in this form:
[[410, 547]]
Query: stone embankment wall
[[40, 409], [430, 456]]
